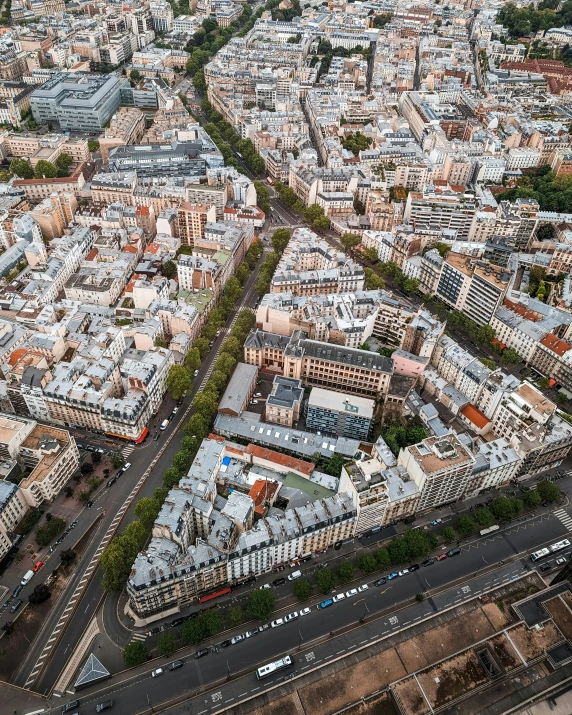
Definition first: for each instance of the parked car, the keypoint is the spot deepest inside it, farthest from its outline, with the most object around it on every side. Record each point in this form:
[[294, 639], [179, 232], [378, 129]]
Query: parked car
[[428, 562], [157, 672], [351, 592], [16, 605], [440, 557], [257, 394], [291, 616], [363, 588], [392, 575], [278, 581], [226, 643], [339, 597], [453, 552], [251, 633], [414, 567], [277, 622], [201, 653], [264, 627], [380, 582], [305, 611], [544, 567], [561, 560], [176, 664], [106, 705], [70, 706], [237, 638], [264, 585], [326, 604], [403, 572], [37, 566]]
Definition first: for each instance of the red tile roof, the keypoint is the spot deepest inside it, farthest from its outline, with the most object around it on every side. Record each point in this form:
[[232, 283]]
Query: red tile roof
[[282, 459], [475, 416]]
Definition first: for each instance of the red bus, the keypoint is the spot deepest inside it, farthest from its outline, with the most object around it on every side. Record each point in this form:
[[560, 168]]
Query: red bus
[[217, 594]]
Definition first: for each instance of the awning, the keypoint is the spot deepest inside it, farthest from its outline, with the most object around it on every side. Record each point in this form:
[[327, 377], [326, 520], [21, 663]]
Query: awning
[[142, 436]]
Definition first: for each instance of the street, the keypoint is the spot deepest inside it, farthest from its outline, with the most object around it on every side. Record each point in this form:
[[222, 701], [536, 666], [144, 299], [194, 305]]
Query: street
[[484, 563]]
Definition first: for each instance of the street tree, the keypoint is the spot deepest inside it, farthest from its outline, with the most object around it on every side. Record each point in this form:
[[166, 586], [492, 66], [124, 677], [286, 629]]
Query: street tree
[[532, 499], [193, 360], [325, 580], [280, 239], [465, 526], [117, 460], [502, 508], [167, 644], [383, 558], [235, 615], [147, 510], [448, 535], [137, 532], [135, 653], [302, 589], [171, 477], [350, 240], [345, 572], [484, 517], [398, 551], [40, 594], [260, 604], [169, 269], [547, 491], [179, 381], [367, 563]]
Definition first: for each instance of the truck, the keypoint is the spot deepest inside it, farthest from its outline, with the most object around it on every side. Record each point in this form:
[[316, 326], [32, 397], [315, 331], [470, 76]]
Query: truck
[[27, 576], [294, 575]]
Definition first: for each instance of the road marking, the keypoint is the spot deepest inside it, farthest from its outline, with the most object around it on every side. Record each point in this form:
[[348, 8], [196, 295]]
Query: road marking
[[340, 652], [242, 695], [253, 689], [564, 518]]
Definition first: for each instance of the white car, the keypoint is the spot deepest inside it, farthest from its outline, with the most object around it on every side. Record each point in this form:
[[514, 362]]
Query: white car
[[291, 616], [126, 466], [264, 585], [305, 611], [157, 672], [402, 573], [363, 588], [338, 597], [237, 639], [277, 622], [560, 561], [351, 593]]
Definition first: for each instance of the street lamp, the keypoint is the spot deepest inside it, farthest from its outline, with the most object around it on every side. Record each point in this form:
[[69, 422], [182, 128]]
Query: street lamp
[[300, 641], [366, 611], [484, 561], [227, 670], [149, 703]]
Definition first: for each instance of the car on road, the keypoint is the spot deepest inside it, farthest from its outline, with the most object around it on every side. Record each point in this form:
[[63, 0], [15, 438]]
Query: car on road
[[89, 504], [380, 582], [226, 643], [176, 664], [428, 562], [111, 482], [251, 633], [291, 616], [264, 585], [279, 581], [157, 672], [305, 611], [339, 597], [544, 567], [177, 622], [17, 590], [326, 604], [195, 373], [37, 566], [106, 705], [277, 622], [174, 412], [403, 572], [201, 653], [263, 627], [453, 552], [237, 638], [440, 557], [16, 605], [560, 561], [126, 466], [436, 522], [154, 631], [257, 394], [351, 592], [70, 706], [391, 576], [414, 567], [363, 588]]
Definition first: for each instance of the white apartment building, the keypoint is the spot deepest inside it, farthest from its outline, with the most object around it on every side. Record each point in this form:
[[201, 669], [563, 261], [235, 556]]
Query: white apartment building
[[521, 408]]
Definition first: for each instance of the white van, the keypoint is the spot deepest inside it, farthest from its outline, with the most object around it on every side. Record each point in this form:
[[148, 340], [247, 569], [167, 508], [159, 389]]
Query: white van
[[164, 424], [27, 576], [294, 575]]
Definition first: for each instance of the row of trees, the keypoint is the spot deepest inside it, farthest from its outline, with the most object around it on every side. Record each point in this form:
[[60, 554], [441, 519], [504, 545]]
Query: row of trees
[[60, 168], [313, 215], [119, 555], [530, 19]]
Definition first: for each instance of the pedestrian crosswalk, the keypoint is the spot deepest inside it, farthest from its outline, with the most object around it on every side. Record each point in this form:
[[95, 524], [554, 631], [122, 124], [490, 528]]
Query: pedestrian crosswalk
[[564, 517], [139, 637], [126, 451]]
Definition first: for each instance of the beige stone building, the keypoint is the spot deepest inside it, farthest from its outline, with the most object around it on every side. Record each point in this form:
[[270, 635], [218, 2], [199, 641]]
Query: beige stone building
[[127, 126]]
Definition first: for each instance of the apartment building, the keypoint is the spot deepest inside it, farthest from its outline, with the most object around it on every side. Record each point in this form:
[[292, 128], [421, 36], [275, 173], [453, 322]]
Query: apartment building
[[13, 508], [521, 408], [113, 188], [438, 208], [441, 468], [476, 288], [310, 266], [328, 412], [284, 403], [192, 221], [127, 126]]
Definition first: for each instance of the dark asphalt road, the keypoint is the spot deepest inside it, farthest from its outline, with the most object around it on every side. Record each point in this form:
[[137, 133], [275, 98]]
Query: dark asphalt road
[[478, 558], [112, 502]]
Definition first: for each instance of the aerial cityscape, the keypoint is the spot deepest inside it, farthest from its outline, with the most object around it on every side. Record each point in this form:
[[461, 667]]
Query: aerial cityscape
[[286, 357]]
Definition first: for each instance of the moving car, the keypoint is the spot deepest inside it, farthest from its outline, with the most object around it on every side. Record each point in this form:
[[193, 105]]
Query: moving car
[[176, 664], [70, 706], [201, 653], [157, 672], [436, 522], [294, 575], [560, 561], [544, 567], [264, 585], [106, 705], [164, 424]]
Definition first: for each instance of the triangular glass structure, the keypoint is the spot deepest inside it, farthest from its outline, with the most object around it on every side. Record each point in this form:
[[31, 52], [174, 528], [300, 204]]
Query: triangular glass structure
[[91, 672]]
